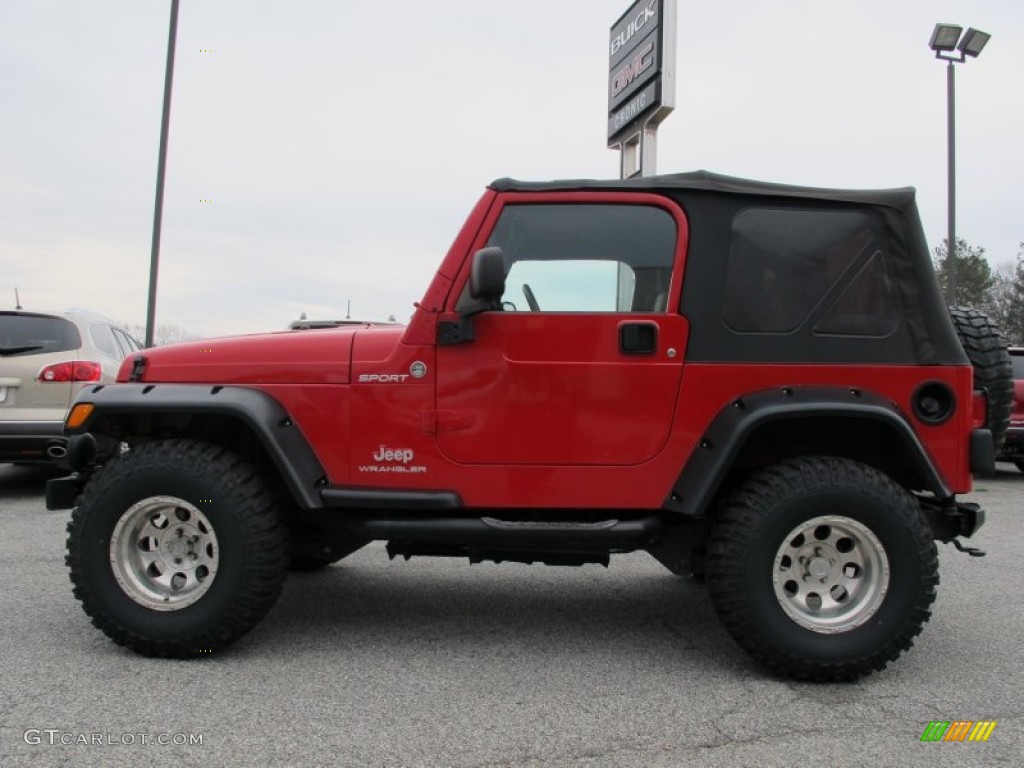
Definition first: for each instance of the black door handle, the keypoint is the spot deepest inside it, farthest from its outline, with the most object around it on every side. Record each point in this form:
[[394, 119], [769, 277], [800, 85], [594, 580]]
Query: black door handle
[[638, 338]]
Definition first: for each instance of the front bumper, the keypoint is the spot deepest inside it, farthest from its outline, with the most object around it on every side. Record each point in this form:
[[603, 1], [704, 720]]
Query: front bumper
[[62, 492]]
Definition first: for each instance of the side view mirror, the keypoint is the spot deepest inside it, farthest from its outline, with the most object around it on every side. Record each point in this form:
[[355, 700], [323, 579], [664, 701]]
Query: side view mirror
[[487, 276], [486, 287]]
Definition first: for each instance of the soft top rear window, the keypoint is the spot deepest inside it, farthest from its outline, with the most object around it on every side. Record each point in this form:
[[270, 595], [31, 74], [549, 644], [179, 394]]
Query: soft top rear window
[[22, 334]]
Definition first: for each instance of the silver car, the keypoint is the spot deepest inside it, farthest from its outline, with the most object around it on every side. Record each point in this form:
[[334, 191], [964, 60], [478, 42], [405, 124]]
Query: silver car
[[45, 359]]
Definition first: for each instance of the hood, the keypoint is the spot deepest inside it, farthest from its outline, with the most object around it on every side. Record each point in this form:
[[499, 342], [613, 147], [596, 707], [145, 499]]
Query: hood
[[287, 357]]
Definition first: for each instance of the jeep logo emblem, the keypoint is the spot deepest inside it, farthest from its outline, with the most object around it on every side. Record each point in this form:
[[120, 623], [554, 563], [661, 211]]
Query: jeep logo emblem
[[403, 455]]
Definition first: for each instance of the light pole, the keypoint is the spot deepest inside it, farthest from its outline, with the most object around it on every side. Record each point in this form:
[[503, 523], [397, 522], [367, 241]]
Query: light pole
[[158, 208], [953, 49]]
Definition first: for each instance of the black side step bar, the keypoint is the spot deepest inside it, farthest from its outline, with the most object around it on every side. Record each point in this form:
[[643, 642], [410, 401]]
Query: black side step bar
[[492, 532]]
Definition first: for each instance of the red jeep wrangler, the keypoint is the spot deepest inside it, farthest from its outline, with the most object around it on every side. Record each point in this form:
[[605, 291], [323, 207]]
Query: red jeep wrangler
[[758, 384]]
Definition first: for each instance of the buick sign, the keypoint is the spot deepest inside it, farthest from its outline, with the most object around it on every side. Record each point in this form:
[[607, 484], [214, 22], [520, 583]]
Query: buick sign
[[641, 52]]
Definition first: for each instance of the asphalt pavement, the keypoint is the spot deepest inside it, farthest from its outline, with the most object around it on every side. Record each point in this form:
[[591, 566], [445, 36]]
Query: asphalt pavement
[[434, 662]]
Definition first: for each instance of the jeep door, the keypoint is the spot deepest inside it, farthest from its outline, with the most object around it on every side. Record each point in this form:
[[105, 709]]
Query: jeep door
[[582, 363]]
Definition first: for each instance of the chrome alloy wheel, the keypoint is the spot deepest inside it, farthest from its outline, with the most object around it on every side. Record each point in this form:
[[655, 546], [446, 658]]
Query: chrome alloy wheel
[[831, 574], [164, 553]]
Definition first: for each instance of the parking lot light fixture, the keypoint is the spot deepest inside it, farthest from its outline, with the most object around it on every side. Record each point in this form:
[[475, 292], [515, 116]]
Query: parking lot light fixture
[[951, 48], [945, 37], [973, 42]]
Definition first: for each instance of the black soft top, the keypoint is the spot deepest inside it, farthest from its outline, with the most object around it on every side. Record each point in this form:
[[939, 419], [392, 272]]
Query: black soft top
[[898, 198], [884, 308]]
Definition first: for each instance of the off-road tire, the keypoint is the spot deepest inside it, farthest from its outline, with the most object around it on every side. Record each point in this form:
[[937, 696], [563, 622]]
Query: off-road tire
[[993, 369], [751, 532], [220, 498]]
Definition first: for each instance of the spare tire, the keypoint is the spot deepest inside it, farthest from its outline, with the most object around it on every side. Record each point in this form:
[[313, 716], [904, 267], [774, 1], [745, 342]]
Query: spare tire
[[993, 370]]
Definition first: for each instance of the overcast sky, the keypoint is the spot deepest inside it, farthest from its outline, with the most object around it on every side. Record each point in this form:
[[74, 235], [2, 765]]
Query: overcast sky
[[340, 144]]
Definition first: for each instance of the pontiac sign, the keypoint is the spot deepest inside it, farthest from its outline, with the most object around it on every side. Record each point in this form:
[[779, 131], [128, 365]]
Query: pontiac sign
[[641, 53]]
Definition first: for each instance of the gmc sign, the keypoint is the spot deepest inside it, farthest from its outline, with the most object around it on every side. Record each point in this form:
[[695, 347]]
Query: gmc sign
[[641, 53], [640, 64]]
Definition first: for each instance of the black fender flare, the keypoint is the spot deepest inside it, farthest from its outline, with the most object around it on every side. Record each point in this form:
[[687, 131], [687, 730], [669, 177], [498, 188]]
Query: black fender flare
[[284, 443], [701, 478]]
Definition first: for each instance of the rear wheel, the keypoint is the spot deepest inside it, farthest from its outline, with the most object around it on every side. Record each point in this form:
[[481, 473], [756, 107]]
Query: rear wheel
[[822, 568], [176, 548]]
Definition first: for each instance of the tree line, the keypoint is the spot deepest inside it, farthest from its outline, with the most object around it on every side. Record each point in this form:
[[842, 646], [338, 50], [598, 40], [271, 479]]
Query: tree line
[[998, 292], [163, 334]]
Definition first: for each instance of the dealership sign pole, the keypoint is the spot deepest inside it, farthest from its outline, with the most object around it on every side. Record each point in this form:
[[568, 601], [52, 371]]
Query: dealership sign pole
[[641, 82]]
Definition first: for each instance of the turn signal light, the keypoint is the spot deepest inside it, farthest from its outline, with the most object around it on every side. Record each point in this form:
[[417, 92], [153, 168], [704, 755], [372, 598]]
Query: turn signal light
[[74, 370], [80, 413]]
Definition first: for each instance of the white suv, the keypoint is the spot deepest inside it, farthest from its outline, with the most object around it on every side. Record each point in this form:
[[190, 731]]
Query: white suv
[[45, 359]]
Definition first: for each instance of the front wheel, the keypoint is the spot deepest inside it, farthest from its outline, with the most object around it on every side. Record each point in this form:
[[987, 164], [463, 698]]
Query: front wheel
[[176, 548], [822, 568]]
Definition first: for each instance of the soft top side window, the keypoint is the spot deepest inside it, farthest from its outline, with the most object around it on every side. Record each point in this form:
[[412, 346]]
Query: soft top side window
[[822, 270]]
